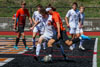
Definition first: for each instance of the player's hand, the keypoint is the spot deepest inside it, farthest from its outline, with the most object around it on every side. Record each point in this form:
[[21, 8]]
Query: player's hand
[[58, 36], [68, 26], [31, 28], [80, 26]]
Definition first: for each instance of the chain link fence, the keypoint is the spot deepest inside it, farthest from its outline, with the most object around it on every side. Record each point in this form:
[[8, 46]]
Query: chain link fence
[[93, 24]]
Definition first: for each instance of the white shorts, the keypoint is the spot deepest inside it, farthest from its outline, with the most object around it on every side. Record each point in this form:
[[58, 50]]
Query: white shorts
[[46, 37], [72, 30], [36, 29], [79, 30]]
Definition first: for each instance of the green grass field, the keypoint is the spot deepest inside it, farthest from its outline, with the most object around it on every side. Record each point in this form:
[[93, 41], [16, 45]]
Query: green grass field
[[98, 59]]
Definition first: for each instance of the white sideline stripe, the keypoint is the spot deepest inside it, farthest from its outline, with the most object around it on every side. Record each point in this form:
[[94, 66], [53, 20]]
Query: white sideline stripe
[[1, 64], [22, 52], [6, 61], [9, 59], [95, 55]]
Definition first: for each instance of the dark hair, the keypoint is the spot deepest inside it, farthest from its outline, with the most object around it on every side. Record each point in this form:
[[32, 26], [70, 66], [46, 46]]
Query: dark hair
[[53, 8], [23, 2], [75, 3], [43, 11], [39, 5]]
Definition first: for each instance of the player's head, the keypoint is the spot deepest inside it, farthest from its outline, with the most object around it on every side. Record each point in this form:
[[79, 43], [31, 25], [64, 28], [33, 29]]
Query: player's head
[[74, 5], [43, 12], [49, 10], [23, 4], [39, 6], [82, 8], [50, 6]]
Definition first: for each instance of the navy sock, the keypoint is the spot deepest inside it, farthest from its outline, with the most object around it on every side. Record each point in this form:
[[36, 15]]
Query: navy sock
[[17, 41], [24, 41]]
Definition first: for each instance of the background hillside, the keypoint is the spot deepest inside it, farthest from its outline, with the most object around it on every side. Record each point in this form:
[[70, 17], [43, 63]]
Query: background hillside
[[60, 4]]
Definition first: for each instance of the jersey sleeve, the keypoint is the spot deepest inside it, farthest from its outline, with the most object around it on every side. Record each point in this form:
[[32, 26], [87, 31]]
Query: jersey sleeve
[[68, 14], [56, 18], [33, 16], [17, 13]]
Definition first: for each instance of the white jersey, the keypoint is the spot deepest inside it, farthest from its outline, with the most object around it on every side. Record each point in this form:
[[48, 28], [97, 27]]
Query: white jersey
[[73, 16], [82, 16], [49, 29], [37, 16]]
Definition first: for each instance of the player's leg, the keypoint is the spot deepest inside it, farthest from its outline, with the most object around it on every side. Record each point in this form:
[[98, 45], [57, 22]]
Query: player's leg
[[38, 46], [17, 40], [72, 32], [24, 40], [67, 41], [35, 30], [81, 41]]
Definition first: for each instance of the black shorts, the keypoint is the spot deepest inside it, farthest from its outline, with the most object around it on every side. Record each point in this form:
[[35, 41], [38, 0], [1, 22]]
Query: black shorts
[[63, 37], [20, 29]]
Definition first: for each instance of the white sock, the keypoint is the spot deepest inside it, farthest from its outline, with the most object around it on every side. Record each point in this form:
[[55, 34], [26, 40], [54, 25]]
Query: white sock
[[81, 42], [38, 48], [44, 44]]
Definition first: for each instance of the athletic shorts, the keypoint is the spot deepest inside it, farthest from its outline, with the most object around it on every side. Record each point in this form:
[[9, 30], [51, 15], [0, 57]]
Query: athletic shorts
[[63, 37], [79, 30], [20, 29], [72, 30], [36, 29]]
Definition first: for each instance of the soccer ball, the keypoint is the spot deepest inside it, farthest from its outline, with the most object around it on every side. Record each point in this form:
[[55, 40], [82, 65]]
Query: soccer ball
[[47, 58]]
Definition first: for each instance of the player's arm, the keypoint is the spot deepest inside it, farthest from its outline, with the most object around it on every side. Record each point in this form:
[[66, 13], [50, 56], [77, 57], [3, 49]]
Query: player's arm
[[15, 24], [29, 17], [34, 25], [33, 18], [66, 18], [17, 14], [67, 23], [56, 19], [58, 29]]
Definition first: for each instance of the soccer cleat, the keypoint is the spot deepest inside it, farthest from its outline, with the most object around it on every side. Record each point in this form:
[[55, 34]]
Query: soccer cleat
[[81, 47], [15, 47], [85, 37], [26, 48], [71, 48], [34, 49]]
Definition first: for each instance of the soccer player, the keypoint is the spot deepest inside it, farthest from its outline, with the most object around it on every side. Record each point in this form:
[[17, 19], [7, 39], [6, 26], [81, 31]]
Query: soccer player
[[80, 27], [38, 27], [73, 16], [49, 31], [60, 32], [21, 14]]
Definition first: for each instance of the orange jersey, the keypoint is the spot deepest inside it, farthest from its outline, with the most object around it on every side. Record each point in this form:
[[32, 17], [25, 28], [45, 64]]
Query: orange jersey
[[21, 15], [56, 18]]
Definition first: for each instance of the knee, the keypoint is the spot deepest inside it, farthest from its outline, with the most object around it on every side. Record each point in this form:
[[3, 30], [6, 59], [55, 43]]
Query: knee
[[50, 43], [68, 43]]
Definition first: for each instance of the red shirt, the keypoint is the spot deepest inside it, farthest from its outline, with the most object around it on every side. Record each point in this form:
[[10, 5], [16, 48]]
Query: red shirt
[[56, 18], [21, 15]]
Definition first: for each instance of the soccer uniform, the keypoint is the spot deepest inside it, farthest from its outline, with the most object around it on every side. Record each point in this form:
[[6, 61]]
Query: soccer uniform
[[14, 17], [57, 19], [81, 16], [21, 15], [40, 27], [49, 30], [73, 16]]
